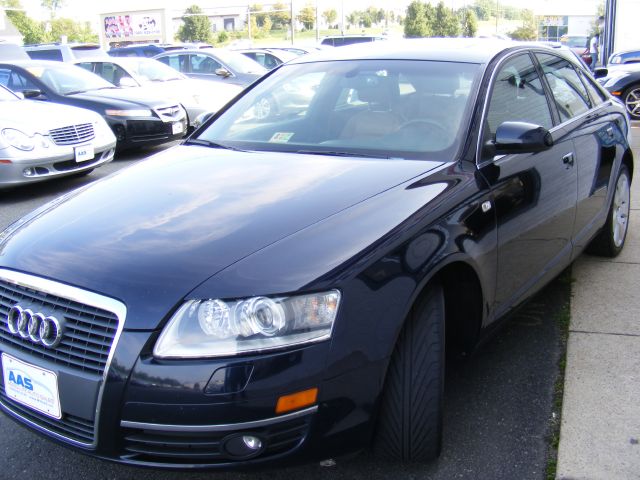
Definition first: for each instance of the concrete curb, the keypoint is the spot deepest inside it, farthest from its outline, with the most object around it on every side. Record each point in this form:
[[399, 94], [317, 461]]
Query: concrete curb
[[600, 429]]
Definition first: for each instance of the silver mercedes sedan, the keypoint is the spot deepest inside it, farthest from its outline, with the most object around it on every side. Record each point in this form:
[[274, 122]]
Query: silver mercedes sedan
[[39, 140]]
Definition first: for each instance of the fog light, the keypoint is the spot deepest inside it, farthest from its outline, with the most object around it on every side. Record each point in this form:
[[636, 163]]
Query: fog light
[[242, 446], [28, 172], [252, 443]]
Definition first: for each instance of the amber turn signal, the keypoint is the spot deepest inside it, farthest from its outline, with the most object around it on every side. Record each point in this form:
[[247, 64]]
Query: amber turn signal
[[286, 403]]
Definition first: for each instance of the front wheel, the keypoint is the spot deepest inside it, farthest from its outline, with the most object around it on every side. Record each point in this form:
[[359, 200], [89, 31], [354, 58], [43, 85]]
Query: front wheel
[[610, 241], [410, 423], [631, 97]]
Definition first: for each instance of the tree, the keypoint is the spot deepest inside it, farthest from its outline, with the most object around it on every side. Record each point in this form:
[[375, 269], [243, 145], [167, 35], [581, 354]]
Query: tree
[[196, 26], [74, 31], [445, 23], [330, 16], [52, 6], [256, 12], [469, 23], [307, 17], [31, 31], [484, 9], [528, 30], [416, 23], [281, 16]]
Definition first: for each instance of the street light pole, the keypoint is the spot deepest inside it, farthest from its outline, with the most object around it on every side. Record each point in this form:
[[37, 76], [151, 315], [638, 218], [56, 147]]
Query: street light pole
[[293, 27]]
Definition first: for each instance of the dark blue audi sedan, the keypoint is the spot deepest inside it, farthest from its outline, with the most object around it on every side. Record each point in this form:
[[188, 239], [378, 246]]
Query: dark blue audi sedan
[[282, 287]]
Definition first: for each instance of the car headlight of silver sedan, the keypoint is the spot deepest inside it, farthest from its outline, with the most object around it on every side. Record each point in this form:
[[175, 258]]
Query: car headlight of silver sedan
[[217, 328], [23, 141]]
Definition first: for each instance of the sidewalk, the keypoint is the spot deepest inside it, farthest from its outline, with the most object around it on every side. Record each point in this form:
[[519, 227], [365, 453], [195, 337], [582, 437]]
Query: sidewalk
[[600, 431]]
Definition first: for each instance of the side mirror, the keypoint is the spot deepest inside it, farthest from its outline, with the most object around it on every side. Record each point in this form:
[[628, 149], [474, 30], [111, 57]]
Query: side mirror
[[127, 82], [521, 137], [32, 93], [601, 72], [223, 72]]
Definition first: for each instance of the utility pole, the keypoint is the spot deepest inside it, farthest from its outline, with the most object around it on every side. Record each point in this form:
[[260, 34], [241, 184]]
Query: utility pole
[[293, 26], [317, 24], [249, 24]]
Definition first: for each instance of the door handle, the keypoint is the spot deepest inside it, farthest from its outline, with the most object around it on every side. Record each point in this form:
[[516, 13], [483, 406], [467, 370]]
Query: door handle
[[569, 159]]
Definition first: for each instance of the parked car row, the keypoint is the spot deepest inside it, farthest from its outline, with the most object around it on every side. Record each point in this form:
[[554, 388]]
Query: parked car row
[[144, 101]]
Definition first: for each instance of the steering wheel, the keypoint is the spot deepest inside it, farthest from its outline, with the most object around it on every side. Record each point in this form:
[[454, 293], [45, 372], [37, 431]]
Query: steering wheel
[[424, 124]]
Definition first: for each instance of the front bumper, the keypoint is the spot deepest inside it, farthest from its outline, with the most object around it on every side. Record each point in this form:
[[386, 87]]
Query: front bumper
[[59, 161], [146, 131], [124, 405]]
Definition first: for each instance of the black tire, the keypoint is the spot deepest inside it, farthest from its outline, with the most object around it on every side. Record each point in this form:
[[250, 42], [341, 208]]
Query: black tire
[[631, 100], [409, 427], [608, 243]]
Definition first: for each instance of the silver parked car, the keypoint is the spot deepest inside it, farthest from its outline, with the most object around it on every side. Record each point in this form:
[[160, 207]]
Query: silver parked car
[[196, 96], [39, 140]]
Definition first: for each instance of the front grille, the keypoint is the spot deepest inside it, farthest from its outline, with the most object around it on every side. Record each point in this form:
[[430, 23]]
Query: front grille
[[74, 428], [205, 448], [72, 134], [88, 336], [172, 113]]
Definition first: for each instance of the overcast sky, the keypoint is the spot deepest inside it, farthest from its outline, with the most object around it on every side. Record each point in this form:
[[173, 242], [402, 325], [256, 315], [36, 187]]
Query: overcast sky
[[89, 10]]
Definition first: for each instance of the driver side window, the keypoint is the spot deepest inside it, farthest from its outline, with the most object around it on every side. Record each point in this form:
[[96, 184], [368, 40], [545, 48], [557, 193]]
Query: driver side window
[[517, 96]]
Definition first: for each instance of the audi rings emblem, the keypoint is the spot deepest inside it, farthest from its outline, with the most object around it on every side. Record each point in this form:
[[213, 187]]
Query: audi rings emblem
[[45, 330]]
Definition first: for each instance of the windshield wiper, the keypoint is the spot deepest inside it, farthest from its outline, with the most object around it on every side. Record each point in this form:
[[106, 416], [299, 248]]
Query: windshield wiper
[[73, 92], [333, 153], [210, 144]]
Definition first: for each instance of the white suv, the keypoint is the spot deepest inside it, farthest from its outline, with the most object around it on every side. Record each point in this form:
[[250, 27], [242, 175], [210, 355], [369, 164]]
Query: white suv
[[64, 52]]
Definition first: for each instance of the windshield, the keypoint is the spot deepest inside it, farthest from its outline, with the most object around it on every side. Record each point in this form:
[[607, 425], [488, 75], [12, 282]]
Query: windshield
[[67, 79], [146, 70], [239, 63], [382, 108], [6, 95]]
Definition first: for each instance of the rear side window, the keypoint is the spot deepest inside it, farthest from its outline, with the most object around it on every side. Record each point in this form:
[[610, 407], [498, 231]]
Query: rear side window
[[204, 64], [569, 92], [46, 55], [174, 61], [518, 96]]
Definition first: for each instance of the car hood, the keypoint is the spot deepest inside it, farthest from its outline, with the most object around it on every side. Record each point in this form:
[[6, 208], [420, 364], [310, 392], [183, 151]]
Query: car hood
[[139, 96], [31, 116], [194, 92], [152, 233]]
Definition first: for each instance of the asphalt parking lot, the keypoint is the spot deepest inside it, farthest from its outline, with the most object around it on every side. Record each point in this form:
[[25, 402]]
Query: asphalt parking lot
[[499, 403]]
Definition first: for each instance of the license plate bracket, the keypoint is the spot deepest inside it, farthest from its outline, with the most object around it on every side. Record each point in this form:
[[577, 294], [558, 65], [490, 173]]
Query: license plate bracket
[[32, 386]]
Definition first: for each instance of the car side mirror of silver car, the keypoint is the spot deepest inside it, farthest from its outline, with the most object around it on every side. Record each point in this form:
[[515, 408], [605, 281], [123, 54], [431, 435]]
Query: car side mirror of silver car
[[520, 137], [223, 72], [600, 72], [32, 93]]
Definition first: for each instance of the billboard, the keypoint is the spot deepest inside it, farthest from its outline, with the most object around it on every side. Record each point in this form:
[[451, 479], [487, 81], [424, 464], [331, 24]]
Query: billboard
[[132, 25]]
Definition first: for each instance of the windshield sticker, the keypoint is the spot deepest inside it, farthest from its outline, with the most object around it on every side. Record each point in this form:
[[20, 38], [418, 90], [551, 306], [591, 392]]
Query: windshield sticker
[[281, 137]]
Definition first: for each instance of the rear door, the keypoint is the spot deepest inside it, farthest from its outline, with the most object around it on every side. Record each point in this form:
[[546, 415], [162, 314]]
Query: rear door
[[534, 194], [596, 132]]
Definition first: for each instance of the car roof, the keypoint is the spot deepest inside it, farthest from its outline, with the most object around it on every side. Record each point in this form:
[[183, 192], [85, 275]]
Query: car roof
[[38, 63], [467, 50]]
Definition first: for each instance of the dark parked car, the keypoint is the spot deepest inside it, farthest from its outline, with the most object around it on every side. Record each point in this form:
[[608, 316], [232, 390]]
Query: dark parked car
[[343, 40], [623, 82], [621, 58], [280, 290], [148, 51], [136, 118], [217, 64]]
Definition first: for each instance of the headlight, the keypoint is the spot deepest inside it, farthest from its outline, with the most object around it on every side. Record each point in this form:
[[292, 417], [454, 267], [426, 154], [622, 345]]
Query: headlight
[[216, 328], [129, 113], [18, 139]]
